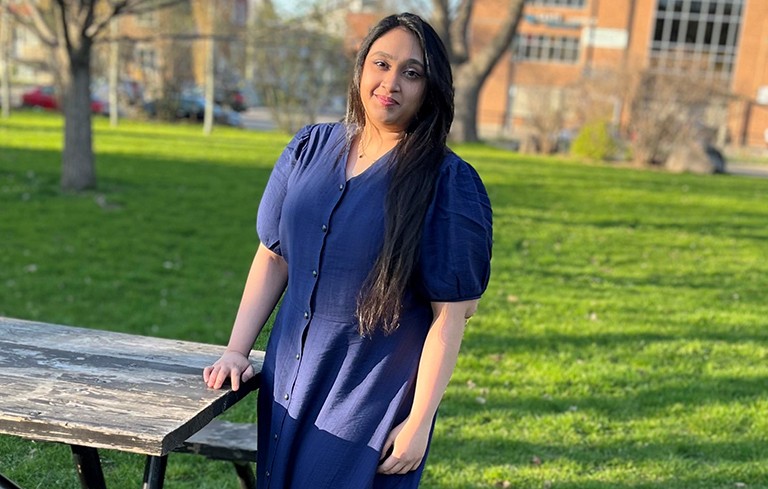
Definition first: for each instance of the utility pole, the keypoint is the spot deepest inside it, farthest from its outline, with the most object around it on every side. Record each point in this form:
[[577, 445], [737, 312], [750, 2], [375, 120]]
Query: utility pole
[[5, 58], [114, 61], [250, 45], [210, 70]]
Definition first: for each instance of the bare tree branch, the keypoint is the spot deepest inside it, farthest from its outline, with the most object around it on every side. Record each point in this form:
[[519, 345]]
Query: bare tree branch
[[34, 21], [64, 24], [458, 37], [483, 62], [486, 59], [85, 19], [441, 20], [94, 27], [137, 7]]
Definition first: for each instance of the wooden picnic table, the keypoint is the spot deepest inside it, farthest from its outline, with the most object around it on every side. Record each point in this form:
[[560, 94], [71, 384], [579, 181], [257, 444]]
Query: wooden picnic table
[[96, 389]]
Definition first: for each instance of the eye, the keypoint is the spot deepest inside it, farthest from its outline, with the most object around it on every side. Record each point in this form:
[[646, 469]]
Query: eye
[[381, 64], [412, 74]]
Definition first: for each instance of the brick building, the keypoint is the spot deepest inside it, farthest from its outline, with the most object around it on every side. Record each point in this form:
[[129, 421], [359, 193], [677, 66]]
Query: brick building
[[155, 46], [564, 43]]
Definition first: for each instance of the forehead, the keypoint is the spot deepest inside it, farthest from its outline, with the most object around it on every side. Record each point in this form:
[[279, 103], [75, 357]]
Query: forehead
[[399, 44]]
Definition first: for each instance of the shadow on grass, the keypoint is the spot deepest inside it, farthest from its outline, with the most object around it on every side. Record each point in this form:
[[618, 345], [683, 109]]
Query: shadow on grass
[[602, 205], [691, 462], [625, 399], [158, 248], [692, 281], [47, 130]]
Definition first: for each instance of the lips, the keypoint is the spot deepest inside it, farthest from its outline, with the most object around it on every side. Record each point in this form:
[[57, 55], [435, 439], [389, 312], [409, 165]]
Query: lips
[[386, 101]]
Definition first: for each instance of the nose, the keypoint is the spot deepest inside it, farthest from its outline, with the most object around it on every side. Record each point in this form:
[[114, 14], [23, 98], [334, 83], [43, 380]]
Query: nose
[[391, 81]]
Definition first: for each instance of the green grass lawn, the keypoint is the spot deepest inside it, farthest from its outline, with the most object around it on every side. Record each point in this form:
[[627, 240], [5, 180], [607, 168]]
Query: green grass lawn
[[622, 342]]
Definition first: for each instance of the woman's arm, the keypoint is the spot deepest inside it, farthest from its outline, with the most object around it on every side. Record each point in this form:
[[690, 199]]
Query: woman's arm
[[265, 284], [438, 359]]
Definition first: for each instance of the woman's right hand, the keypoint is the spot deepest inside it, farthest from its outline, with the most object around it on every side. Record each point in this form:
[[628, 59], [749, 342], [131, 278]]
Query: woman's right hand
[[232, 364]]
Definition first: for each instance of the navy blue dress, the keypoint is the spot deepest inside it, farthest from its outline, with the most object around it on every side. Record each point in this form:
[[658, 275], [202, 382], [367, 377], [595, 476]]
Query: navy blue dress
[[330, 396]]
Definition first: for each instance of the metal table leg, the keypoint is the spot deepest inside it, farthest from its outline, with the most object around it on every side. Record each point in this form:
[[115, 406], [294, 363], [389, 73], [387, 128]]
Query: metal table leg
[[88, 467], [6, 483], [245, 475], [154, 472]]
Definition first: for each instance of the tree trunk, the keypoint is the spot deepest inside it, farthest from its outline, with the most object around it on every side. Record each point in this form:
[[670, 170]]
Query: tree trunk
[[471, 71], [77, 165], [467, 93]]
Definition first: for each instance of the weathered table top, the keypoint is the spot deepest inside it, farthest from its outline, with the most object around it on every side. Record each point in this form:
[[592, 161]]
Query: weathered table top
[[107, 390]]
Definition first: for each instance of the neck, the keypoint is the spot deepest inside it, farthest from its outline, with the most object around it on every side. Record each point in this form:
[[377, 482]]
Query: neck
[[373, 142]]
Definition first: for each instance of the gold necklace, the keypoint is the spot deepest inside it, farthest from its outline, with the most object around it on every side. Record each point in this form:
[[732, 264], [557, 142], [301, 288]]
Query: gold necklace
[[360, 149]]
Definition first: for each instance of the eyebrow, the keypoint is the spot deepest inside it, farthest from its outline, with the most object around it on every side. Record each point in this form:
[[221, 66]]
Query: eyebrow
[[411, 61]]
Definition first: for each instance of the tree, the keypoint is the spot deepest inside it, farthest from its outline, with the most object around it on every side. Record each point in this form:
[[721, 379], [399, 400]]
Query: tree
[[668, 110], [547, 114], [470, 69], [299, 67], [70, 28]]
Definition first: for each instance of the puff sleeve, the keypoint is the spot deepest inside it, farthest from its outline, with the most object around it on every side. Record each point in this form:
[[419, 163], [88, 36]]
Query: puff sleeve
[[271, 205], [455, 256]]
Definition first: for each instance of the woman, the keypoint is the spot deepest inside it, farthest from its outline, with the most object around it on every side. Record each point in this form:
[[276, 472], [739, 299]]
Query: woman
[[380, 237]]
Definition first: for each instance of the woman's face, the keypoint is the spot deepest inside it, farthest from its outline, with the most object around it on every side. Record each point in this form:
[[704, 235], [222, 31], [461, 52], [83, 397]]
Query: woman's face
[[393, 80]]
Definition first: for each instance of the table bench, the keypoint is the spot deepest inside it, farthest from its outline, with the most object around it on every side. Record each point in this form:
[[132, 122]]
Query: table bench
[[224, 440], [95, 389]]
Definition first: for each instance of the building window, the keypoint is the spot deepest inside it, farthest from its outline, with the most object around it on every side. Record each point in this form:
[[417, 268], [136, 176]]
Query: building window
[[538, 47], [147, 57], [559, 3], [147, 19], [696, 35], [364, 6]]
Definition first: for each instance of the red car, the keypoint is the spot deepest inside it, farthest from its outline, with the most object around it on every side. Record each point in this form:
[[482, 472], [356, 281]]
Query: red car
[[45, 97]]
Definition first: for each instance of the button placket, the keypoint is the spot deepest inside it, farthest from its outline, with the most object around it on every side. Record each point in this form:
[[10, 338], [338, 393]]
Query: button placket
[[305, 310]]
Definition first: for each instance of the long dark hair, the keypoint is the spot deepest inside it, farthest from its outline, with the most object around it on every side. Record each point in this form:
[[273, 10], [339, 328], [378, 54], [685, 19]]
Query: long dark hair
[[415, 165]]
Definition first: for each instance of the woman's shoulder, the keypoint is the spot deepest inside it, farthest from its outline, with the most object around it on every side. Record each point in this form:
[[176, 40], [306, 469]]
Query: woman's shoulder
[[321, 131], [456, 171], [314, 140]]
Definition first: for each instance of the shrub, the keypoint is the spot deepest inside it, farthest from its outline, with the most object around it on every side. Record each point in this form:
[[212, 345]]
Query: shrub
[[594, 141]]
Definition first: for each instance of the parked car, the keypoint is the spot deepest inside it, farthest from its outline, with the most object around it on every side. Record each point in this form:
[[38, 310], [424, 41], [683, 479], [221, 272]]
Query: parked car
[[129, 92], [45, 97], [234, 97], [189, 103], [192, 105]]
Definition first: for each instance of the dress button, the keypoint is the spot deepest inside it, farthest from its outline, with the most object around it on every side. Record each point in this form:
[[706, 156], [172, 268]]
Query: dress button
[[298, 356], [267, 474], [314, 273], [341, 186], [324, 228], [275, 436], [286, 397], [306, 315]]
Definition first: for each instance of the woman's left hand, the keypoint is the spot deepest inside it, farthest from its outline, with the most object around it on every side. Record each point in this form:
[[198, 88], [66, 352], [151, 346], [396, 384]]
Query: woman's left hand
[[408, 445]]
